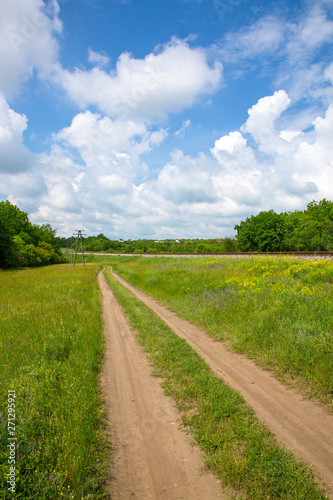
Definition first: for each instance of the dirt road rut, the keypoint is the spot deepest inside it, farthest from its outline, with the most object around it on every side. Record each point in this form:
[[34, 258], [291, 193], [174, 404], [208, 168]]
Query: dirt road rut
[[152, 457], [298, 424]]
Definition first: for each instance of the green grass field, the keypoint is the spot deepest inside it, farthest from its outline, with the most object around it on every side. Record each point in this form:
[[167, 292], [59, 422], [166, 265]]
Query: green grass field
[[51, 352], [279, 311]]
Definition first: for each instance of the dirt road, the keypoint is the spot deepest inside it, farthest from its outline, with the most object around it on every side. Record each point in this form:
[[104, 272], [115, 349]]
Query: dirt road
[[151, 456], [298, 424]]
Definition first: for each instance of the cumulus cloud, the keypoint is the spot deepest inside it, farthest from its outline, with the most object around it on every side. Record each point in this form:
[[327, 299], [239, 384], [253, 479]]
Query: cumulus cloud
[[27, 41], [29, 187], [95, 174], [114, 144], [314, 161], [196, 196], [14, 157], [296, 167], [62, 196], [168, 80], [233, 153], [183, 181], [261, 122], [93, 135]]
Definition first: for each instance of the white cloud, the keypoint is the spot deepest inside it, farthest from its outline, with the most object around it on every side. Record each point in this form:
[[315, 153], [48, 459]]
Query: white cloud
[[329, 73], [265, 36], [183, 181], [115, 145], [265, 112], [309, 34], [114, 184], [93, 135], [181, 132], [14, 157], [233, 153], [29, 187], [314, 162], [287, 50], [297, 168], [27, 29], [289, 135], [59, 163], [94, 175], [277, 37], [97, 58], [169, 80], [62, 196], [261, 122], [193, 196]]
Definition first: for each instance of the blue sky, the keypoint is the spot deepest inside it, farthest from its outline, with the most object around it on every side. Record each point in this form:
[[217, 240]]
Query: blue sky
[[162, 118]]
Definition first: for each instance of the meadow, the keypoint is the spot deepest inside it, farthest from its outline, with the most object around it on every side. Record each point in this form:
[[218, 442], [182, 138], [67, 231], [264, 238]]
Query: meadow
[[51, 353], [277, 310]]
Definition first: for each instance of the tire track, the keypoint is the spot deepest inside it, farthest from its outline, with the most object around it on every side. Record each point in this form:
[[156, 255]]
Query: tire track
[[151, 456]]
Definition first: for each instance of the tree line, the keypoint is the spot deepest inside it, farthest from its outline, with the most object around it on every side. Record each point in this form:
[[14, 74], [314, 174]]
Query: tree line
[[307, 230], [25, 244], [101, 243]]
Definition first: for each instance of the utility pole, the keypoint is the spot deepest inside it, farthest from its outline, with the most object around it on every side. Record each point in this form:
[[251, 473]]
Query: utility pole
[[78, 234]]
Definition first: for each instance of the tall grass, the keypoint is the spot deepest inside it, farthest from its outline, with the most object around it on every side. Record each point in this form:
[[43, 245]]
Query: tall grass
[[51, 352], [279, 311]]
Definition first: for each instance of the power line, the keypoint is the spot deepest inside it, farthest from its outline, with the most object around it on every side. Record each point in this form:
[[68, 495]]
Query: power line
[[78, 233]]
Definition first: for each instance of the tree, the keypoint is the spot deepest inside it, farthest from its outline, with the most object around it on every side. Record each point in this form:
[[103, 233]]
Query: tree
[[23, 243], [264, 232], [44, 233], [230, 244], [312, 229], [12, 222], [320, 224]]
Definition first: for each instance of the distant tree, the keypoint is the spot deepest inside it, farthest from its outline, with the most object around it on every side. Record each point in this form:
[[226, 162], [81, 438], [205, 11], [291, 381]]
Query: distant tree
[[264, 232], [229, 244], [308, 230], [312, 229]]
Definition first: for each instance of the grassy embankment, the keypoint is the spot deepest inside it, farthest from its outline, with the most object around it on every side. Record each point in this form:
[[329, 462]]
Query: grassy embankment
[[51, 353], [279, 311], [236, 445]]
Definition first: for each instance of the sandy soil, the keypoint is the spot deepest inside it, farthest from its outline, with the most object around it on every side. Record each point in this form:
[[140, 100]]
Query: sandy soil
[[151, 456], [298, 424]]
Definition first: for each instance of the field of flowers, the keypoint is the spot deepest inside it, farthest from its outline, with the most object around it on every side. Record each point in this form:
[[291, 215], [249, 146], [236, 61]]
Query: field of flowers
[[277, 310]]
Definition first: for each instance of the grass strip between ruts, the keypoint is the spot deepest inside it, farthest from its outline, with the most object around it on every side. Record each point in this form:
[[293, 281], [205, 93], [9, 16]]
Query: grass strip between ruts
[[236, 445]]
